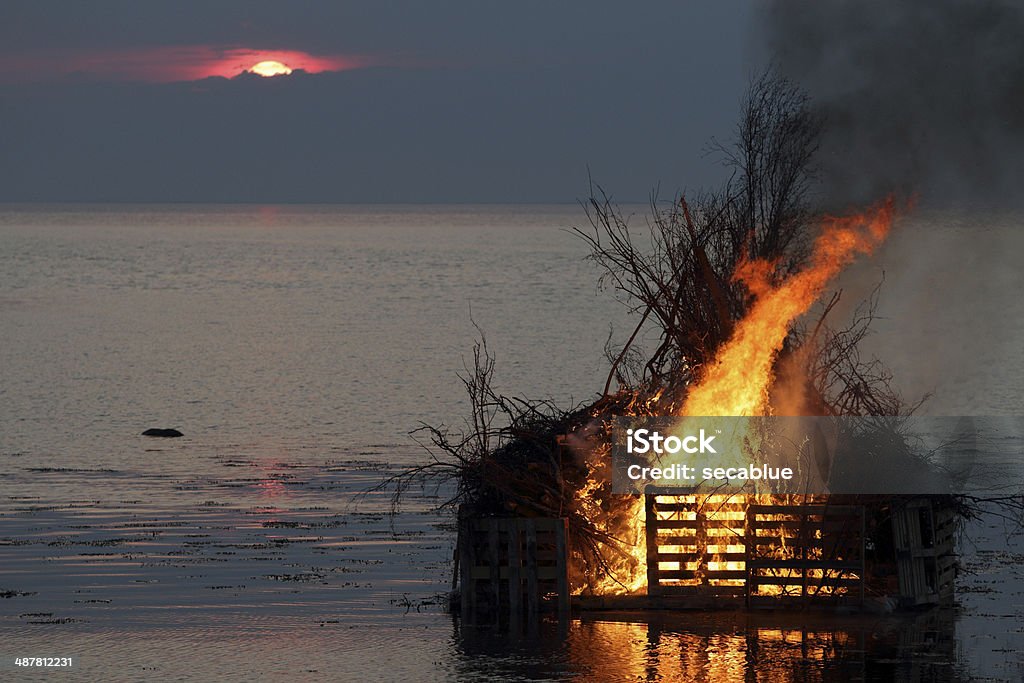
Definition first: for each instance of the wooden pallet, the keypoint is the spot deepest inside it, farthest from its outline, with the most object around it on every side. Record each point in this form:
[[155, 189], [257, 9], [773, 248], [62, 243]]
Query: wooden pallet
[[924, 537], [680, 527], [511, 566], [805, 553], [726, 548]]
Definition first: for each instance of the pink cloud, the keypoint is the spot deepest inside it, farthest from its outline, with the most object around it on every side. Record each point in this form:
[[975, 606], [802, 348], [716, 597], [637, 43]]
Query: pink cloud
[[164, 64]]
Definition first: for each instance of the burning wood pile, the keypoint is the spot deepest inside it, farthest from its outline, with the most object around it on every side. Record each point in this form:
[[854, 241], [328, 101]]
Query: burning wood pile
[[731, 284]]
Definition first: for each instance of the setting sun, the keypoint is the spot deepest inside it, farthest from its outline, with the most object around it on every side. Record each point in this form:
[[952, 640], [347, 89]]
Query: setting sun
[[270, 68]]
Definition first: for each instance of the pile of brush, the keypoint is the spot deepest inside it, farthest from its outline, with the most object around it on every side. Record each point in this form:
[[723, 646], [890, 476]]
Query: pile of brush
[[517, 457]]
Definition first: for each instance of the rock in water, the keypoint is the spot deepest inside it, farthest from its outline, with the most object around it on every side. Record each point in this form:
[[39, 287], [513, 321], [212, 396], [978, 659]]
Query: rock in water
[[169, 433]]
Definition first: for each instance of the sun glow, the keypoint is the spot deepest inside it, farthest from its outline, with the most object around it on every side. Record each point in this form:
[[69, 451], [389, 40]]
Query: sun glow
[[270, 68]]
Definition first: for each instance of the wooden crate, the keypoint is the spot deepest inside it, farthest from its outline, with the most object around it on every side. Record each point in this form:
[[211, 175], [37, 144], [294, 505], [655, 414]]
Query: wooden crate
[[924, 538], [731, 550], [511, 566]]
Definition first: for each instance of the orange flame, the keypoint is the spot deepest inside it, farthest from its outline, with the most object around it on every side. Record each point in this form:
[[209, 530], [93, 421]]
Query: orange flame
[[738, 380]]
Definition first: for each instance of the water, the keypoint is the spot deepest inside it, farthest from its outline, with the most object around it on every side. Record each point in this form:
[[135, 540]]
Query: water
[[296, 347]]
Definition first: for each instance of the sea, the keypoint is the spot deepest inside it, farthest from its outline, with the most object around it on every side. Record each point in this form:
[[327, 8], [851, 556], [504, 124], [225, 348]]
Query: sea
[[300, 348]]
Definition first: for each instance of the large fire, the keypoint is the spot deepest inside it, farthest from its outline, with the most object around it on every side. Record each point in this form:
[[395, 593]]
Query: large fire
[[739, 380]]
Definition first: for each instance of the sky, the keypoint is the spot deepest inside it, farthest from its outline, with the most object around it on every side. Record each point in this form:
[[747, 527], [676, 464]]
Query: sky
[[389, 101]]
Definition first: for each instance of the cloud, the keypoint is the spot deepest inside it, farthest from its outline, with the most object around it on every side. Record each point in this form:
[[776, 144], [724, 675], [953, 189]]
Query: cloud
[[463, 102], [165, 63]]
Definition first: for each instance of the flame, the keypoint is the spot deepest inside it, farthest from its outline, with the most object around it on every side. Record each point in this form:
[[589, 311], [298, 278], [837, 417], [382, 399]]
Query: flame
[[738, 380], [737, 383]]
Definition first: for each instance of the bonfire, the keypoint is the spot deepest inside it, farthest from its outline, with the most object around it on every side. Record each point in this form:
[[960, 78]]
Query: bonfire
[[734, 286]]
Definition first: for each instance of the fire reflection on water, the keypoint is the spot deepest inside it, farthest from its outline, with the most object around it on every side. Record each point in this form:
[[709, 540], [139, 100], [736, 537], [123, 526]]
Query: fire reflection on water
[[701, 647]]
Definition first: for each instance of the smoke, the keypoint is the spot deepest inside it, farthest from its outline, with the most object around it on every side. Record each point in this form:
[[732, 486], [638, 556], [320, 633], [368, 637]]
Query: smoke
[[923, 97]]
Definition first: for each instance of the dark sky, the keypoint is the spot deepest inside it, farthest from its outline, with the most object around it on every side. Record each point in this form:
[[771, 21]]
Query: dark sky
[[449, 101]]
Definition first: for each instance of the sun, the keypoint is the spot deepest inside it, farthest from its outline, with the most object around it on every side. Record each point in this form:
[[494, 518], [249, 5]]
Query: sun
[[270, 68]]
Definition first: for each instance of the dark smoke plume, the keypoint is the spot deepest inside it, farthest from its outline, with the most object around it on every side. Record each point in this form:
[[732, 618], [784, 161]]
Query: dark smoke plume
[[920, 97]]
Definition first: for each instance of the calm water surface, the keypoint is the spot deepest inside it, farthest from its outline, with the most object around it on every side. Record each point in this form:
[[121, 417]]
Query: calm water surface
[[295, 347]]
